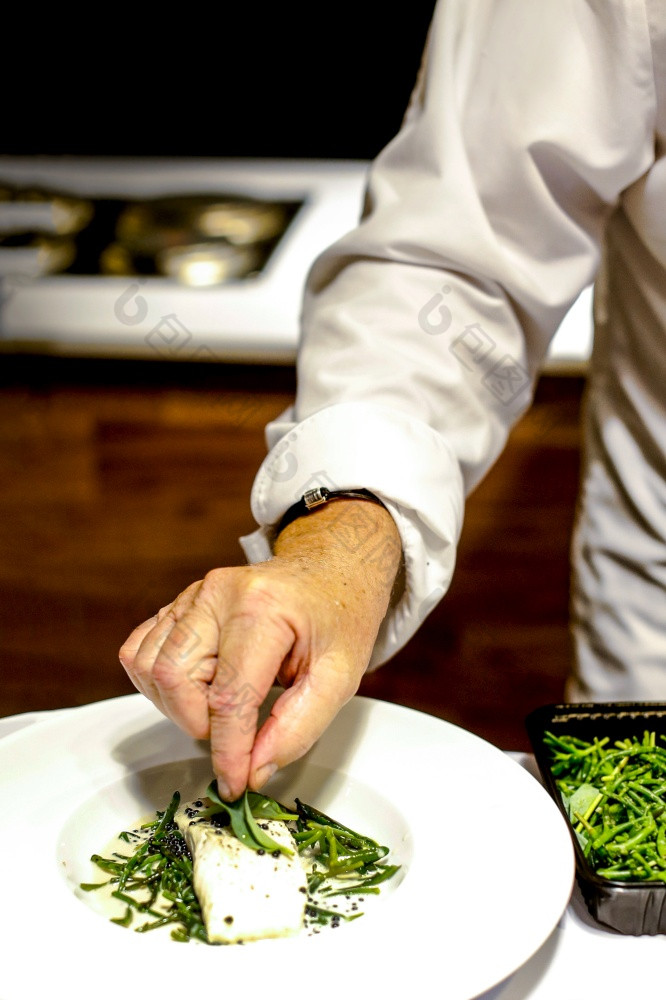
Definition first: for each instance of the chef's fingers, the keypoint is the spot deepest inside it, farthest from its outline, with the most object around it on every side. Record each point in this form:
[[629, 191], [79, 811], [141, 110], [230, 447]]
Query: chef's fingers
[[130, 647], [141, 667], [301, 714], [183, 667], [251, 652], [132, 644], [138, 652]]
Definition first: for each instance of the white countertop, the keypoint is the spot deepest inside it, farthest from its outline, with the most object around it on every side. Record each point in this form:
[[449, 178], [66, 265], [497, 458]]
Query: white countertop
[[255, 320]]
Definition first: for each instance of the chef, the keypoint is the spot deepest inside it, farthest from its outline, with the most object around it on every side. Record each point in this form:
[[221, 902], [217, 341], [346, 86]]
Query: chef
[[530, 163]]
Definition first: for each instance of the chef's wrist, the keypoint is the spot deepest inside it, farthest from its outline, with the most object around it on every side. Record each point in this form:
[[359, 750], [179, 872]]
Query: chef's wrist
[[316, 499], [347, 538]]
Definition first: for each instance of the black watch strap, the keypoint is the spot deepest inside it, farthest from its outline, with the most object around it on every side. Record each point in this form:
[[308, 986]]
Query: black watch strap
[[319, 496]]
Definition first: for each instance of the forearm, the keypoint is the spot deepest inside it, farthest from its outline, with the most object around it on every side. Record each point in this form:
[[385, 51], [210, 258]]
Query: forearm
[[354, 549]]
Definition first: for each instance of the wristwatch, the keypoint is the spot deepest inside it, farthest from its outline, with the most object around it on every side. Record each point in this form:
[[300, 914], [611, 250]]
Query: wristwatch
[[319, 496]]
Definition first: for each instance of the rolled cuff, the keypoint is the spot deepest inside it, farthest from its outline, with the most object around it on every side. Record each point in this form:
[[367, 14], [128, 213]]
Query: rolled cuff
[[404, 462]]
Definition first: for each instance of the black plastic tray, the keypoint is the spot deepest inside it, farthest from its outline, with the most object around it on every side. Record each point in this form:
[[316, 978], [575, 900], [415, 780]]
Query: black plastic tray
[[629, 907]]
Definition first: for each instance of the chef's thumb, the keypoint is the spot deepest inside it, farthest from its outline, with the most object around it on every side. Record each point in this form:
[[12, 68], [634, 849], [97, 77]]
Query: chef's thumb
[[298, 718]]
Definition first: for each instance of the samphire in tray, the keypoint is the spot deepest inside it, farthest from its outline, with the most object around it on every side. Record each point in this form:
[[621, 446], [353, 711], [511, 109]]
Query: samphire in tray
[[605, 766]]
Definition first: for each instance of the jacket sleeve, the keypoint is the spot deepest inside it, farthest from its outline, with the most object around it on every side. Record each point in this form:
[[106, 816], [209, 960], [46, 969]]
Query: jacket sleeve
[[424, 329]]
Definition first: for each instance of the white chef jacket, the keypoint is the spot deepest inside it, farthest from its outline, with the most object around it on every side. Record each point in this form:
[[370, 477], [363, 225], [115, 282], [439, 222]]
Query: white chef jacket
[[530, 163]]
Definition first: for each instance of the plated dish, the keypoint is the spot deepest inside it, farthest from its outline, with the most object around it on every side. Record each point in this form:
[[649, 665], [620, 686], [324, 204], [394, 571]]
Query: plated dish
[[465, 911]]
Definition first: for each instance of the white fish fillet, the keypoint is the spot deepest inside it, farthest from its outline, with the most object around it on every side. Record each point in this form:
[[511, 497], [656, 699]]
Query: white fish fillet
[[244, 895]]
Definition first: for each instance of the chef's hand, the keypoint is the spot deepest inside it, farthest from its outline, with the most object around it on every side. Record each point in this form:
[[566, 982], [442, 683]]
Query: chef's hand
[[308, 617]]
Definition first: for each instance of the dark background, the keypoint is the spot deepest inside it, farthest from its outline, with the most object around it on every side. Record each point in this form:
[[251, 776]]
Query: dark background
[[332, 81]]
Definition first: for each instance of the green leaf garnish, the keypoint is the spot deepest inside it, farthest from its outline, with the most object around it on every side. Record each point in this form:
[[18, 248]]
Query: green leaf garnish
[[242, 821], [264, 807]]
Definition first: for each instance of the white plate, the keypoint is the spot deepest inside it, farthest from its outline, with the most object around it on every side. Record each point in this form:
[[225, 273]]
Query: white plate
[[487, 860]]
